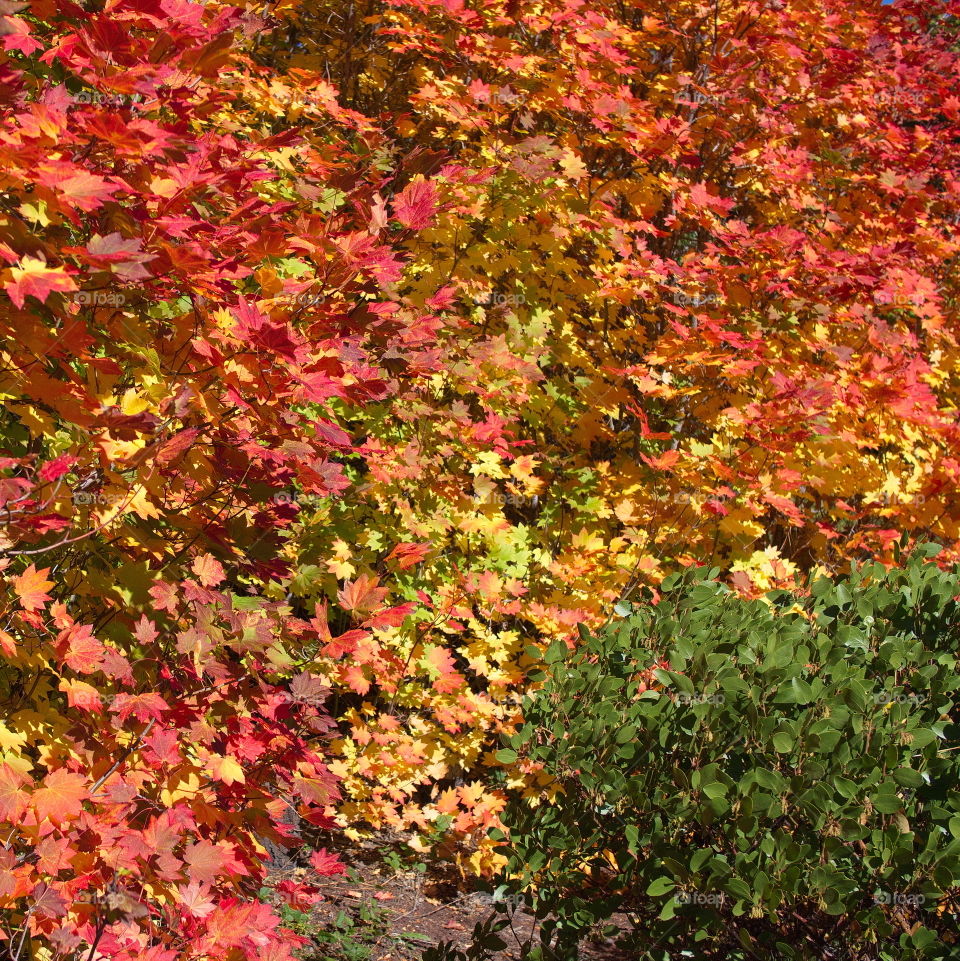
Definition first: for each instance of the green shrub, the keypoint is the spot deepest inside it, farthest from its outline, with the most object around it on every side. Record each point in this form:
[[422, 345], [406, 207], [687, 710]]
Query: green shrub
[[788, 789]]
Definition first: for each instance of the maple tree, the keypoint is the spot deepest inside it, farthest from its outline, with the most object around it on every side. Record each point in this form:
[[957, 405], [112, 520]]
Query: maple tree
[[191, 286], [696, 303]]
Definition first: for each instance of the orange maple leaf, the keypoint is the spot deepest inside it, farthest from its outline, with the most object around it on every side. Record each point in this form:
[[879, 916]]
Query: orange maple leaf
[[664, 461], [362, 594], [355, 679], [84, 653], [13, 801], [206, 859], [408, 554], [31, 588], [61, 797], [439, 661], [144, 707], [208, 569]]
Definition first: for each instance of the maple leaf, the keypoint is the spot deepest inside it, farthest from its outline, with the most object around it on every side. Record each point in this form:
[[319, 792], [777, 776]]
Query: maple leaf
[[663, 461], [391, 617], [355, 678], [315, 790], [165, 596], [300, 896], [61, 797], [444, 298], [174, 447], [144, 707], [196, 899], [120, 254], [145, 631], [225, 768], [31, 586], [326, 864], [440, 665], [408, 554], [207, 860], [309, 689], [13, 800], [448, 801], [208, 569], [35, 279], [47, 903], [16, 35], [81, 651], [361, 594], [345, 643], [56, 468], [572, 166], [85, 190], [414, 206]]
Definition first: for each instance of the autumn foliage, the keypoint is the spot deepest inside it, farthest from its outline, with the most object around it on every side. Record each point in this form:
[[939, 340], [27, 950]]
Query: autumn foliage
[[352, 353]]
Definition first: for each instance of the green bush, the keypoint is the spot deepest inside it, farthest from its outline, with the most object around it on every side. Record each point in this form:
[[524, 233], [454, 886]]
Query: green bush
[[788, 789]]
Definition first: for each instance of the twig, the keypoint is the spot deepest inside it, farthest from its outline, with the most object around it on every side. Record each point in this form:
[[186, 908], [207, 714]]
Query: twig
[[124, 756]]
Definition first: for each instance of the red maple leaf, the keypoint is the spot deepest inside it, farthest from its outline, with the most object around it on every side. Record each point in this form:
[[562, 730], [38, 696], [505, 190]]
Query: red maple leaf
[[34, 278], [414, 206], [144, 707], [326, 864]]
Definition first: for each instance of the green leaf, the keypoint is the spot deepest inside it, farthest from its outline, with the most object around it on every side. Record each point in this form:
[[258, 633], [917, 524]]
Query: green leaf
[[660, 886], [783, 742]]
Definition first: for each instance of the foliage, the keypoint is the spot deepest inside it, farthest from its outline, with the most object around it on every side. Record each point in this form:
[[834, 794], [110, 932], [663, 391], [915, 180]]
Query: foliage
[[785, 787], [693, 290], [186, 287], [369, 347]]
